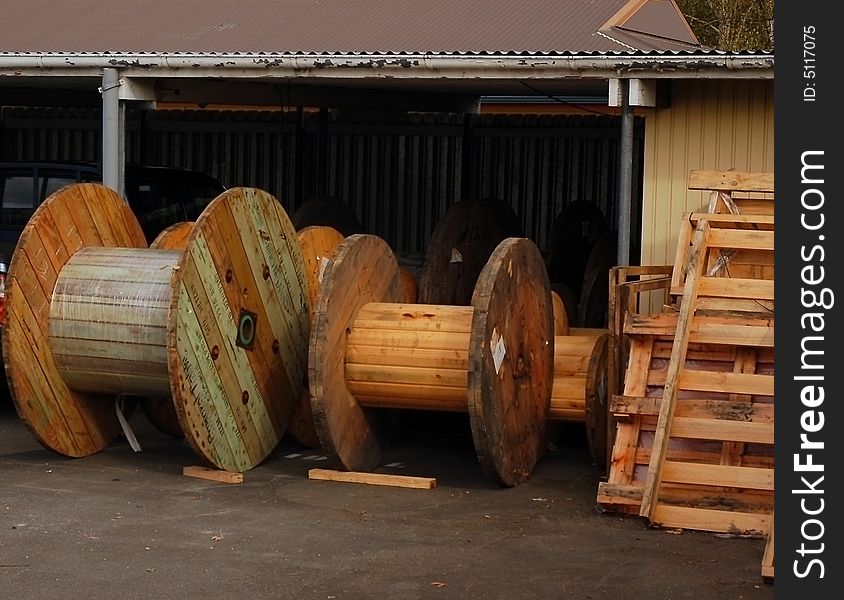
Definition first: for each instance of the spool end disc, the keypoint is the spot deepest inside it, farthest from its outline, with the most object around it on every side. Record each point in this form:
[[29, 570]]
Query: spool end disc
[[511, 361], [364, 269], [318, 245], [85, 214], [238, 329]]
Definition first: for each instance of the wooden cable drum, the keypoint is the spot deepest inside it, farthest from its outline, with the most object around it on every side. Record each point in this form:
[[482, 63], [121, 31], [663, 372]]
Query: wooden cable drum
[[409, 285], [369, 351], [579, 392], [561, 316], [159, 408], [594, 295], [327, 211], [318, 244], [459, 248], [222, 324], [575, 231]]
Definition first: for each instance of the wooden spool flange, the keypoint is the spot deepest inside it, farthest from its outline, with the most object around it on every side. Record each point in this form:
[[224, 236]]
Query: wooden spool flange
[[159, 408], [318, 244], [494, 359], [223, 323], [460, 247]]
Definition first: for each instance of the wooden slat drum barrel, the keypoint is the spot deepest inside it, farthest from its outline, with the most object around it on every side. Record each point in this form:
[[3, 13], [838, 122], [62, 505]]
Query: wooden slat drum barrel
[[370, 351], [223, 323]]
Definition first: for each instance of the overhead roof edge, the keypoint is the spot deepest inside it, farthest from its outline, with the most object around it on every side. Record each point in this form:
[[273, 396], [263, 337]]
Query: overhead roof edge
[[661, 64]]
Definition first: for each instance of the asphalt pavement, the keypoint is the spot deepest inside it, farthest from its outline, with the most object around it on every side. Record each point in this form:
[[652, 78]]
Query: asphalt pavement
[[121, 525]]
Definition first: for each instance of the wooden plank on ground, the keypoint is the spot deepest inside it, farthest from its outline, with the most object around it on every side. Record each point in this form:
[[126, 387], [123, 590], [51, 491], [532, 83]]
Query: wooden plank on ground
[[424, 483], [212, 474]]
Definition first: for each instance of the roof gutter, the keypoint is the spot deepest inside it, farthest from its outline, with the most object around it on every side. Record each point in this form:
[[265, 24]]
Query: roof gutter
[[392, 66]]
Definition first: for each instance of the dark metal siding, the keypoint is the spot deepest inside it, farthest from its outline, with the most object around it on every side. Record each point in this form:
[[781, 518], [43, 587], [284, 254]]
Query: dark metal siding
[[399, 173]]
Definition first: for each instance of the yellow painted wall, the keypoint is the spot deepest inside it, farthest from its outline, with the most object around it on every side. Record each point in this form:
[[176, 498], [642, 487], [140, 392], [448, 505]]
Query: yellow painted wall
[[712, 125]]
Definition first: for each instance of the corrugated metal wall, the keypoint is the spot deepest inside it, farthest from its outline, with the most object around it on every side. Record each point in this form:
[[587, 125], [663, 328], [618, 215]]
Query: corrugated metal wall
[[718, 125], [399, 172]]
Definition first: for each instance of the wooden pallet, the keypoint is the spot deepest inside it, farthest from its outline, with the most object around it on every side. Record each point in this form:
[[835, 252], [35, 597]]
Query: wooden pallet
[[694, 440], [628, 286]]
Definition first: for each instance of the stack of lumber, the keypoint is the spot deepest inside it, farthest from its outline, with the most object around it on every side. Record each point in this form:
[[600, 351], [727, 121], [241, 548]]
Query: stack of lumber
[[694, 434]]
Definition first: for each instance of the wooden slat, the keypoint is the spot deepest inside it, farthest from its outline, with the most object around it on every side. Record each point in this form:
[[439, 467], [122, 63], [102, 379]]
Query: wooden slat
[[736, 383], [706, 330], [741, 239], [623, 457], [720, 521], [714, 409], [768, 556], [416, 317], [708, 458], [423, 483], [746, 501], [755, 206], [734, 181], [407, 357], [675, 367], [735, 305], [730, 221], [731, 287], [718, 429], [718, 475]]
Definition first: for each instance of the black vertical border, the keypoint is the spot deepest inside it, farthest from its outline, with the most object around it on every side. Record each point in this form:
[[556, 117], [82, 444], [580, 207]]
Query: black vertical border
[[807, 37]]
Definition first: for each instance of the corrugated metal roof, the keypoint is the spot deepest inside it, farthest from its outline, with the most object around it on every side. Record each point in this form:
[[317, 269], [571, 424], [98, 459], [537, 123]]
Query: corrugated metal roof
[[334, 26]]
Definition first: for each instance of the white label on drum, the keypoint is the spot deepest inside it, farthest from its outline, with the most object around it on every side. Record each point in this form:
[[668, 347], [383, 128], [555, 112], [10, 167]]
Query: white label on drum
[[496, 344], [323, 262], [456, 256]]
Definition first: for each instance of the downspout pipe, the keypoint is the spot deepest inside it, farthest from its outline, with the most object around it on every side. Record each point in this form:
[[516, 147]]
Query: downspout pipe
[[625, 178], [114, 122]]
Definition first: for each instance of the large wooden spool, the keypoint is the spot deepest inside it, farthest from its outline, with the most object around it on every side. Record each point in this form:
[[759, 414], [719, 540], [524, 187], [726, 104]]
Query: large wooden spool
[[576, 230], [580, 393], [460, 246], [222, 324], [493, 359], [327, 211], [318, 245]]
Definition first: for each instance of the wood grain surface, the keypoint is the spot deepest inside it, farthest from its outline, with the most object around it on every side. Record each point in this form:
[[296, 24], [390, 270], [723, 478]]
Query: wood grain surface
[[363, 270], [69, 422], [242, 258], [511, 361], [318, 244]]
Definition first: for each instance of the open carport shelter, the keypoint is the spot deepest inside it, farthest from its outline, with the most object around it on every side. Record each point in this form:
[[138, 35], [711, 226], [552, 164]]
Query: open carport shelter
[[498, 85]]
